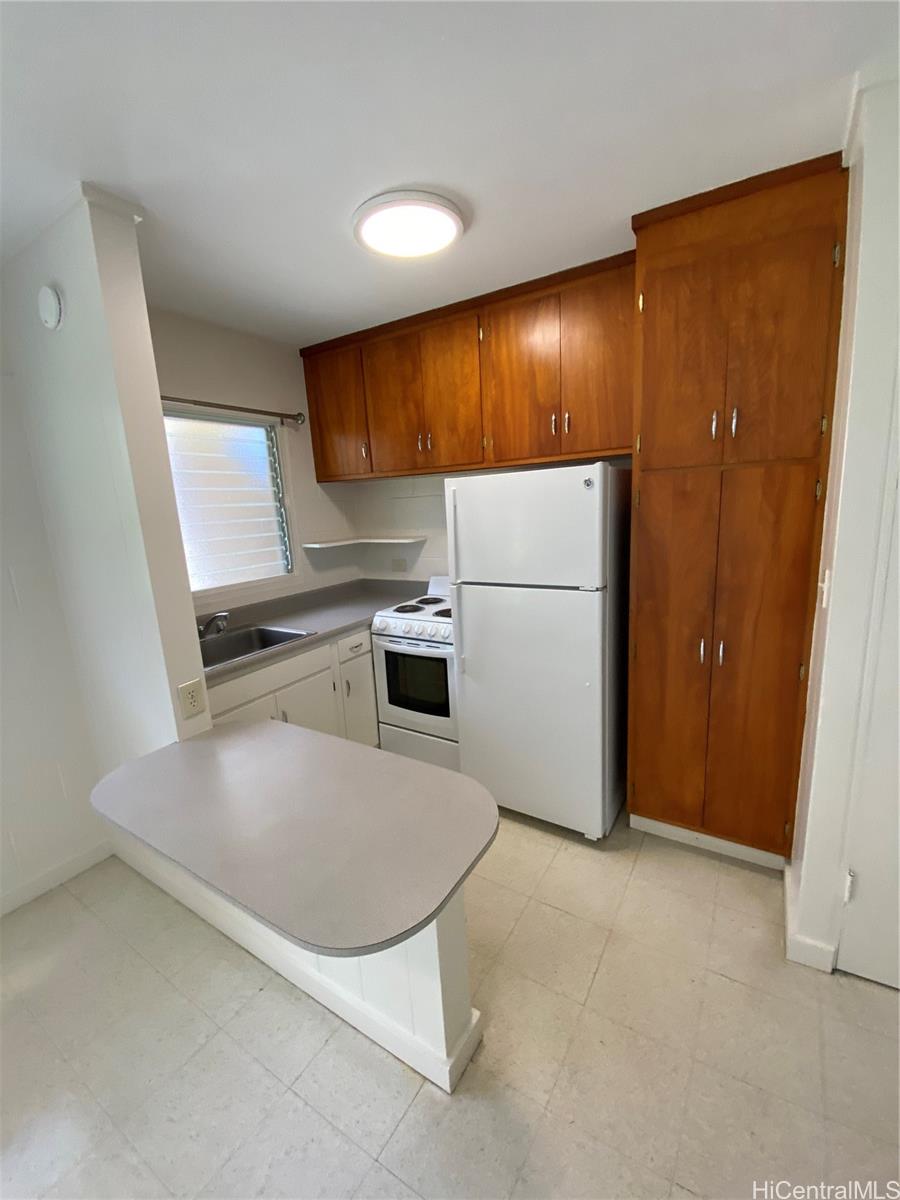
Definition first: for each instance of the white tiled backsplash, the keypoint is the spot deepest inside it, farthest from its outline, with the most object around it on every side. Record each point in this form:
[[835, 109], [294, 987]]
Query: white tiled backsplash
[[401, 506]]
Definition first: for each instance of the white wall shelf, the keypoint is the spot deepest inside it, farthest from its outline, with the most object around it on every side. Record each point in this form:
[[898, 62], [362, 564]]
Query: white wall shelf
[[398, 540]]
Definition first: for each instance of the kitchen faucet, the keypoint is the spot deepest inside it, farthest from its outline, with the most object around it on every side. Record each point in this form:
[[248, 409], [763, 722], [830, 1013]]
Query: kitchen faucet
[[217, 623]]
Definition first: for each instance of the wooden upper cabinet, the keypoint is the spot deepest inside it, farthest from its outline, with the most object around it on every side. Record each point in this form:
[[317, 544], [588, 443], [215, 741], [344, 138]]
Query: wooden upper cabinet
[[596, 320], [451, 382], [521, 379], [779, 305], [337, 412], [392, 369], [674, 579], [684, 336], [766, 542]]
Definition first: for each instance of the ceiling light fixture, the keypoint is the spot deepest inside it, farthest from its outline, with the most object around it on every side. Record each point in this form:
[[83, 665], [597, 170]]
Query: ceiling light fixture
[[407, 224]]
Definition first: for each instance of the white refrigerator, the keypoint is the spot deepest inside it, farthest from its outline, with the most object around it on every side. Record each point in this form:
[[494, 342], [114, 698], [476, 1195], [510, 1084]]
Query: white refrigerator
[[538, 583]]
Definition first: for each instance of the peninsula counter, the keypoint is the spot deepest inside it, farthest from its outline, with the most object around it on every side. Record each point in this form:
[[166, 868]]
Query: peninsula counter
[[338, 865]]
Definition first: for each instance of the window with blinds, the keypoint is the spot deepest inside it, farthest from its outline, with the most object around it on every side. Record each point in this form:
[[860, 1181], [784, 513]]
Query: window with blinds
[[230, 500]]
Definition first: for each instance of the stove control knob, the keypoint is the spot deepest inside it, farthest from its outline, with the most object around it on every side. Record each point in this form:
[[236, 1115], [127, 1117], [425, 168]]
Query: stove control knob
[[445, 633], [407, 628], [379, 624], [432, 630]]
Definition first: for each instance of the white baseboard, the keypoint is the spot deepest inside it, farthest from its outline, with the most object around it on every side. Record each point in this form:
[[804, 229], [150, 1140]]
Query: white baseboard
[[18, 896], [798, 948], [301, 967], [705, 841]]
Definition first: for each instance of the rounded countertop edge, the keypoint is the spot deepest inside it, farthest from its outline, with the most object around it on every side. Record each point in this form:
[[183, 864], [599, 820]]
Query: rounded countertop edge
[[311, 947], [285, 922]]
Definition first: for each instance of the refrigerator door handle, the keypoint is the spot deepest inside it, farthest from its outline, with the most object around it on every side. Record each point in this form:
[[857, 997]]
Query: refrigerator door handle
[[451, 531], [459, 652]]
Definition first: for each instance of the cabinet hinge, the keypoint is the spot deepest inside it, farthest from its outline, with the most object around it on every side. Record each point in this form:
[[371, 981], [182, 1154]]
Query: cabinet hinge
[[849, 885], [802, 671], [637, 444], [818, 489], [824, 424], [640, 301], [836, 254]]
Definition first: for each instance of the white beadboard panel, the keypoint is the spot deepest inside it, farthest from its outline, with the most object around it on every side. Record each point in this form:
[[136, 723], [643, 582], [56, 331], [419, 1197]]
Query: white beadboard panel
[[440, 1039], [385, 983], [345, 972]]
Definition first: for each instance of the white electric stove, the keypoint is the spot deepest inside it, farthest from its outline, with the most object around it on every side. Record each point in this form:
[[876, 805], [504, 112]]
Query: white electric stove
[[415, 677]]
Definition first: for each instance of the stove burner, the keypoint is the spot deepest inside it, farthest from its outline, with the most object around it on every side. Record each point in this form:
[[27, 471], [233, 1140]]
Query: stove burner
[[442, 612], [407, 608], [430, 600]]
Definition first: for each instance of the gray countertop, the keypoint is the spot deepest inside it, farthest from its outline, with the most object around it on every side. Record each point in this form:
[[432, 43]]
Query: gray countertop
[[344, 849], [329, 612]]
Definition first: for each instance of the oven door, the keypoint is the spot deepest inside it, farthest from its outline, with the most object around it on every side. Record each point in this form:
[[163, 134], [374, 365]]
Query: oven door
[[416, 686]]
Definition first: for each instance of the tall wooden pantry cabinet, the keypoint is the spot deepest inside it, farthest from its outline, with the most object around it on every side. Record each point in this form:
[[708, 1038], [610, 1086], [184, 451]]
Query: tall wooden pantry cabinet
[[738, 296]]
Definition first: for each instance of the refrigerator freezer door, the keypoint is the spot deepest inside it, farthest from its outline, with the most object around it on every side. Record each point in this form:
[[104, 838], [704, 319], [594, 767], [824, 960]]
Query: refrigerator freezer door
[[539, 528], [532, 726]]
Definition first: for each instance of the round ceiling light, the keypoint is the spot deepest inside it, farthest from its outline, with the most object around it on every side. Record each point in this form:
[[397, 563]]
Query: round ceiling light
[[407, 224]]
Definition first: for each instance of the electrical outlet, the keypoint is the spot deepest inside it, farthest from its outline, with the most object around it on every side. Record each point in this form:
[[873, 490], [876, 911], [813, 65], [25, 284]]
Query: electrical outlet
[[398, 564], [192, 697]]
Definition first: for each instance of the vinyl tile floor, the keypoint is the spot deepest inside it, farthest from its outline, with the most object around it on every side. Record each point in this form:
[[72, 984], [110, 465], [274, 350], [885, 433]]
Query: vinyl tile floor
[[644, 1037]]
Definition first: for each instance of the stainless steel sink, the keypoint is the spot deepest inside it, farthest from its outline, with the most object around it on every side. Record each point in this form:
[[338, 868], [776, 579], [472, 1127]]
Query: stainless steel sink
[[219, 648]]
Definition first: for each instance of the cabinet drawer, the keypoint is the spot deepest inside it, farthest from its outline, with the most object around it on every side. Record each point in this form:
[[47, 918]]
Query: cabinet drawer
[[354, 644]]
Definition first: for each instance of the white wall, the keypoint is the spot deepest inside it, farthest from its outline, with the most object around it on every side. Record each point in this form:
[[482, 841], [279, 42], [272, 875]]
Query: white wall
[[862, 453], [49, 831], [412, 505], [196, 360], [97, 554]]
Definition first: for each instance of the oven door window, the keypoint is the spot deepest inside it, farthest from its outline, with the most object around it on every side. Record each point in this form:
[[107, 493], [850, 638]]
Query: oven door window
[[417, 683]]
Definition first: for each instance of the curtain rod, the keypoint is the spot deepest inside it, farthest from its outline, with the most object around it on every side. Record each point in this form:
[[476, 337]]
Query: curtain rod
[[299, 417]]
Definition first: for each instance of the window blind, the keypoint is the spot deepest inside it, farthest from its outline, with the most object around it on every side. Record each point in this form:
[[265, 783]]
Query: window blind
[[230, 500]]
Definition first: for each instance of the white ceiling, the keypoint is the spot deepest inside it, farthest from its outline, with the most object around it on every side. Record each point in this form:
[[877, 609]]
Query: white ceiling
[[251, 131]]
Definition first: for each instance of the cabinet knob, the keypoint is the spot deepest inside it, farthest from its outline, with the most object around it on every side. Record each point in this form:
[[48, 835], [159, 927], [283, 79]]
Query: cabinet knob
[[419, 442], [721, 653], [365, 449], [566, 423], [715, 424], [734, 422], [703, 650], [428, 441], [347, 686], [553, 424]]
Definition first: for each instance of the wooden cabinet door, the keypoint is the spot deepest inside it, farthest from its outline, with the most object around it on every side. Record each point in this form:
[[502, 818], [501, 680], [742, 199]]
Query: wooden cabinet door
[[757, 696], [520, 374], [451, 381], [392, 370], [596, 326], [779, 307], [358, 699], [337, 414], [674, 545], [312, 703], [684, 340]]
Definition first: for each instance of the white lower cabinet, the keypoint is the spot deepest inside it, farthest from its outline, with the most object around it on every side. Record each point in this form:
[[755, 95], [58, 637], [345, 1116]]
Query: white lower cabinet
[[330, 688], [312, 703], [358, 699], [256, 710]]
